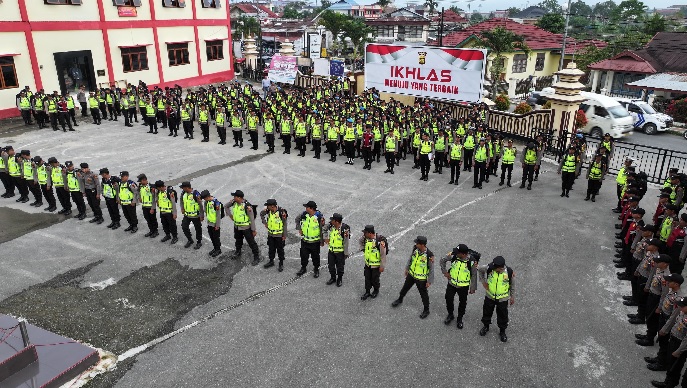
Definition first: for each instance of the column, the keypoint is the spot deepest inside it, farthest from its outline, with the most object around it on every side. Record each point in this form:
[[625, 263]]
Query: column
[[565, 103], [595, 80]]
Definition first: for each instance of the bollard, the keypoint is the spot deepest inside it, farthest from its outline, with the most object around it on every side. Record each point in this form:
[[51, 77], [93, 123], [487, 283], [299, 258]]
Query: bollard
[[24, 333]]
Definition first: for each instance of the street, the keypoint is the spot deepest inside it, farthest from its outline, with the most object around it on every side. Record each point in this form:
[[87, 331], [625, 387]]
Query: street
[[660, 140]]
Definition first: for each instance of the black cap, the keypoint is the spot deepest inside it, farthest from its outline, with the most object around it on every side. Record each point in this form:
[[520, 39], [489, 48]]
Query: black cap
[[672, 207], [674, 277], [639, 210], [663, 258], [664, 195], [499, 261], [204, 194], [159, 183], [271, 202], [683, 217], [68, 163], [336, 217], [104, 171], [461, 248], [124, 173], [681, 302], [9, 148], [654, 241], [237, 193], [52, 159], [84, 165], [648, 228], [185, 184], [37, 159], [369, 229], [310, 204], [421, 240], [141, 177], [633, 199], [24, 152]]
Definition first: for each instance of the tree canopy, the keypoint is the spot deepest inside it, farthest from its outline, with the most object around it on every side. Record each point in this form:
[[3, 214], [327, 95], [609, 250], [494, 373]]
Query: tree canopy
[[552, 22]]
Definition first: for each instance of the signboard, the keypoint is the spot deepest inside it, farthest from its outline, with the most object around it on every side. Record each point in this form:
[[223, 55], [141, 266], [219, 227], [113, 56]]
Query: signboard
[[321, 66], [237, 49], [127, 11], [434, 72], [283, 69], [315, 45], [336, 67]]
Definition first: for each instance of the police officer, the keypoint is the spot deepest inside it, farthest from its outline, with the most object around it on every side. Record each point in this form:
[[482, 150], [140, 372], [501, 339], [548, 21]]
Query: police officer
[[418, 272], [30, 179], [57, 180], [508, 155], [337, 236], [146, 196], [530, 160], [109, 189], [127, 199], [375, 248], [166, 201], [620, 181], [193, 212], [93, 192], [456, 157], [426, 148], [94, 105], [15, 166], [274, 219], [213, 215], [43, 180], [676, 328], [481, 163], [391, 144], [673, 282], [595, 174], [75, 185], [462, 280], [568, 170], [310, 224], [243, 216], [497, 279], [7, 181]]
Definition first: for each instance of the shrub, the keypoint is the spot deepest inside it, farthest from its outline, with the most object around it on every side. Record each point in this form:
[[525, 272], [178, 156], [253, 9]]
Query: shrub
[[678, 109], [502, 102], [522, 108], [547, 105], [580, 119]]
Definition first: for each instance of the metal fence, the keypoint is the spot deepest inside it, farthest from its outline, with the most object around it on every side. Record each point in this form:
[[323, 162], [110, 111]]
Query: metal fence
[[653, 161]]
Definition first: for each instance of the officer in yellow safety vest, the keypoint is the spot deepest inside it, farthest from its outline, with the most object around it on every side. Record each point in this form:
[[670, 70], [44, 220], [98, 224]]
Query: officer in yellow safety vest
[[74, 183], [110, 100], [24, 104], [44, 182], [332, 139], [374, 248], [166, 199], [418, 272], [51, 111], [669, 222], [349, 137], [30, 175], [243, 215], [508, 155], [269, 126], [127, 198], [462, 279], [391, 145], [274, 219], [7, 180], [57, 181], [497, 279], [337, 236], [480, 160], [204, 122], [456, 155], [146, 196], [620, 181], [469, 148], [93, 104], [440, 151], [24, 176], [237, 128], [530, 160], [161, 108], [125, 105], [252, 126], [109, 189], [316, 135], [213, 216], [310, 224], [425, 152], [150, 116], [220, 123], [595, 174], [187, 120], [568, 170], [193, 212], [72, 108]]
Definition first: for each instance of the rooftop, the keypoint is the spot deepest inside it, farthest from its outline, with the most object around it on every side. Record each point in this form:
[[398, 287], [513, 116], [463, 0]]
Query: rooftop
[[665, 52]]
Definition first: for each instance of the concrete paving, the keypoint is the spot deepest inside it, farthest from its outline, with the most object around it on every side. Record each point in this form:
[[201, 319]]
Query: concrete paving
[[568, 326]]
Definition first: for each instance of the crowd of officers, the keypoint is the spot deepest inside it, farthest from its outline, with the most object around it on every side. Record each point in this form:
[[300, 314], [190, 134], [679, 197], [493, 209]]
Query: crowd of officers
[[328, 117], [651, 254], [72, 186]]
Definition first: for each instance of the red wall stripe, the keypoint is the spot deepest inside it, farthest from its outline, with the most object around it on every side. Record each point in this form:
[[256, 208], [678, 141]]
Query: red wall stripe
[[110, 25], [29, 43], [195, 34], [154, 24], [106, 42]]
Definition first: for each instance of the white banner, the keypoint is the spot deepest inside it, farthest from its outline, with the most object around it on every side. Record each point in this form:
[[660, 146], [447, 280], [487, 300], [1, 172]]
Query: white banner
[[321, 66], [435, 72], [237, 49], [315, 46]]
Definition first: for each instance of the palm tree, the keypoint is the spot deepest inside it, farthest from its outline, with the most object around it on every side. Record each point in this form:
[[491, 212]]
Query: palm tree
[[499, 41], [384, 3], [431, 5]]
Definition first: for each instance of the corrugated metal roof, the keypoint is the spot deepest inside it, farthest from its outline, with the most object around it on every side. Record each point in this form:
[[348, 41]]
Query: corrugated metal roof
[[663, 81]]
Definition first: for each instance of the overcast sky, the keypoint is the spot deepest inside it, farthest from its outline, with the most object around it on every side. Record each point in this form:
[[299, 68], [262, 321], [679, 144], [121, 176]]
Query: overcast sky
[[492, 5]]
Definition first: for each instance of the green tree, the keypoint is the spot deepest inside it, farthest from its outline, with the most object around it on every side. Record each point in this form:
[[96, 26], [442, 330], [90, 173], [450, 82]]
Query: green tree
[[512, 11], [334, 22], [632, 40], [580, 8], [431, 6], [499, 41], [552, 22], [456, 9], [384, 3], [604, 10], [551, 6], [359, 33], [291, 12], [246, 25], [476, 17], [655, 23], [629, 10]]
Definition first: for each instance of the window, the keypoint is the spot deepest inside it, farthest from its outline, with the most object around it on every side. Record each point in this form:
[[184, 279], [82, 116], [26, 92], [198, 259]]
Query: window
[[8, 75], [600, 111], [414, 32], [539, 64], [63, 2], [134, 59], [126, 3], [211, 3], [174, 3], [519, 63], [178, 54], [385, 31], [215, 50]]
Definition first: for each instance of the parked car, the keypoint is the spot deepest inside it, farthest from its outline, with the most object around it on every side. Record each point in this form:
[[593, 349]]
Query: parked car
[[605, 115], [645, 117], [537, 99]]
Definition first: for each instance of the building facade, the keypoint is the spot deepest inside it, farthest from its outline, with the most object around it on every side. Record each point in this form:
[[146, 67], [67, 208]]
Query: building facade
[[61, 44]]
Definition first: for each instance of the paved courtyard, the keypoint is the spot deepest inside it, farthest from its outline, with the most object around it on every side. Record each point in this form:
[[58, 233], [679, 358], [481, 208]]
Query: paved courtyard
[[244, 326]]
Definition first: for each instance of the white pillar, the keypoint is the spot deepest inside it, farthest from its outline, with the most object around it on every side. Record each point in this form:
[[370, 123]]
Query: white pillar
[[609, 81], [512, 83], [595, 80]]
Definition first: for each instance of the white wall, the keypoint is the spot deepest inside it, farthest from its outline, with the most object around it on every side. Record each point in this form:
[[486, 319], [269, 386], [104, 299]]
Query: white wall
[[177, 34], [112, 14], [208, 13], [133, 37], [164, 13], [39, 11], [15, 43], [9, 11], [211, 33]]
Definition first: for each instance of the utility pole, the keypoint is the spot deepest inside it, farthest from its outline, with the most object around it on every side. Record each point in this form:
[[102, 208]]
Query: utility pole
[[565, 36], [441, 28]]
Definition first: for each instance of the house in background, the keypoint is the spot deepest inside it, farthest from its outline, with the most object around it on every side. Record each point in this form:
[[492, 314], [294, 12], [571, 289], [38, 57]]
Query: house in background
[[530, 15], [523, 72], [659, 67], [402, 25], [251, 10], [368, 9]]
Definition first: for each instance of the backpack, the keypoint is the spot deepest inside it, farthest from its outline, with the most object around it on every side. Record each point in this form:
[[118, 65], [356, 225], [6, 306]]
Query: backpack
[[383, 239], [254, 207], [171, 191], [283, 213], [221, 207]]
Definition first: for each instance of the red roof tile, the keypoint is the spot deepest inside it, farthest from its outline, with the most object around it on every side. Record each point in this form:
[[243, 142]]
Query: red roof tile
[[255, 9], [451, 17], [626, 62]]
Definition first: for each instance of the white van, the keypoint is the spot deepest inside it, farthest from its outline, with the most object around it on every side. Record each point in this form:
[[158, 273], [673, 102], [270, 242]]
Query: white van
[[605, 115], [645, 117]]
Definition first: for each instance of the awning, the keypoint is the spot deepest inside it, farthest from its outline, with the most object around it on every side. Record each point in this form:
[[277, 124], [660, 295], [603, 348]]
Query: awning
[[179, 41], [135, 45], [214, 39], [662, 81], [9, 54]]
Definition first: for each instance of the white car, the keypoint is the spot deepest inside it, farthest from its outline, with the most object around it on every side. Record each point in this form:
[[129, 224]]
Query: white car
[[645, 117]]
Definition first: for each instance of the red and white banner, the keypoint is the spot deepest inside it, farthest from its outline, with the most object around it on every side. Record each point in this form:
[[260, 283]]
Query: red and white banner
[[434, 72]]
